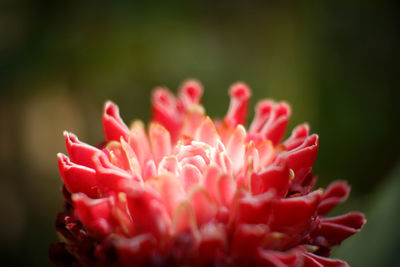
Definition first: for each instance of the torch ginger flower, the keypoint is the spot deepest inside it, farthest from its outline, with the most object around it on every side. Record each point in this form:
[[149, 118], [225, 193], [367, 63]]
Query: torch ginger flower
[[192, 191]]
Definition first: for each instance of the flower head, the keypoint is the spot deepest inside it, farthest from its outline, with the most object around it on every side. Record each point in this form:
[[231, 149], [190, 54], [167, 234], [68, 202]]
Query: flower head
[[194, 191]]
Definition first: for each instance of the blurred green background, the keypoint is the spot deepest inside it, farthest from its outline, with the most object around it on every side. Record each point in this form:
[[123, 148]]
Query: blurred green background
[[333, 61]]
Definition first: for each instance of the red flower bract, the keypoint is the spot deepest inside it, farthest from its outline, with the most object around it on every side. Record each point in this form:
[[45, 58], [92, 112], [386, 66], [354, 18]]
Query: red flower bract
[[192, 191]]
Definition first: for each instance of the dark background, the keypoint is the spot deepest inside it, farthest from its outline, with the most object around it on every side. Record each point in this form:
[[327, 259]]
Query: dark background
[[333, 61]]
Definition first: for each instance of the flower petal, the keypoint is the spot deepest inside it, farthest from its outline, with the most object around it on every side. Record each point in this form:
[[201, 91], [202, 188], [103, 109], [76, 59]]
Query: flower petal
[[298, 135], [165, 111], [194, 116], [79, 152], [302, 158], [109, 177], [77, 178], [160, 141], [293, 215], [210, 182], [336, 193], [113, 125], [207, 133], [135, 251], [190, 93], [247, 239], [171, 193], [236, 148], [139, 142], [148, 212], [203, 207], [255, 209], [332, 231], [190, 176], [213, 241], [270, 120], [312, 260], [227, 190], [237, 111], [290, 258], [275, 177], [96, 215]]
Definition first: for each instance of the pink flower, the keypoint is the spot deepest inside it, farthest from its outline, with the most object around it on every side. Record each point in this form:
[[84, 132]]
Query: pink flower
[[194, 191]]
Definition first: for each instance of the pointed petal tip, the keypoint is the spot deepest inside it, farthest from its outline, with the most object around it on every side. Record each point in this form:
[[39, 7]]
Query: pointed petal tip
[[63, 159], [70, 137]]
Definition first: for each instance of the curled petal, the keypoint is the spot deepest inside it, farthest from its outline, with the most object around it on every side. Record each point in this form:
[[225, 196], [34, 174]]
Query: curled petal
[[109, 177], [302, 158], [290, 258], [237, 111], [77, 178], [270, 120], [117, 155], [113, 125], [336, 193], [332, 231], [275, 128], [303, 187], [298, 135], [312, 260], [79, 152], [263, 112]]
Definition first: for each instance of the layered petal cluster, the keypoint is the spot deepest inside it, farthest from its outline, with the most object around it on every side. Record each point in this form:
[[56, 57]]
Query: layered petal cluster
[[188, 190]]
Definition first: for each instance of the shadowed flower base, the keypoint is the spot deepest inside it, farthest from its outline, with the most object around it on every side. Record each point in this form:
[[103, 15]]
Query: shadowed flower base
[[192, 191]]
